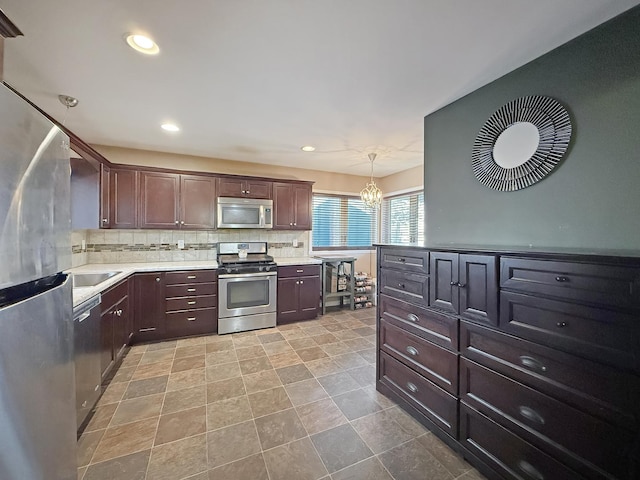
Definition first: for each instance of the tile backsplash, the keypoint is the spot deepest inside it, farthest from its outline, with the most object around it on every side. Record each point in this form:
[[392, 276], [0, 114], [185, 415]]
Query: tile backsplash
[[125, 246]]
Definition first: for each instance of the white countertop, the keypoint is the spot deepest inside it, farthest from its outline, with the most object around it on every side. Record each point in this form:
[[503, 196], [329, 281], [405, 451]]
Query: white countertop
[[85, 293]]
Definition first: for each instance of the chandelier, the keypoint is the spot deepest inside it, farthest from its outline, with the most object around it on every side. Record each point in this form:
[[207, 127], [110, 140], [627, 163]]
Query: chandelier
[[371, 195]]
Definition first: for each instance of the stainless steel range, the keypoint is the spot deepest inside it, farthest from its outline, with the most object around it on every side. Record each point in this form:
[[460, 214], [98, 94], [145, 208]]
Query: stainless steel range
[[247, 283]]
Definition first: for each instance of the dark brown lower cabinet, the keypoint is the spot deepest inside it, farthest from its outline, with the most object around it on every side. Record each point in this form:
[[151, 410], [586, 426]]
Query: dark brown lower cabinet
[[149, 310], [191, 303], [115, 325], [298, 293]]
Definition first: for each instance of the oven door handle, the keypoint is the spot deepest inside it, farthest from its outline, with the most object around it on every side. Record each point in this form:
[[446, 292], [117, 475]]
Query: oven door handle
[[248, 275]]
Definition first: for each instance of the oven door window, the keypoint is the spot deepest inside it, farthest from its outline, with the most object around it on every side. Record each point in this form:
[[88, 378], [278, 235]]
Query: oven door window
[[238, 215], [247, 293]]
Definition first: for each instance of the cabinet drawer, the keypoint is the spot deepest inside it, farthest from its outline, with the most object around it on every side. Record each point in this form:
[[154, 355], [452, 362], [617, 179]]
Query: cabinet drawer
[[590, 283], [507, 453], [192, 322], [298, 271], [585, 331], [114, 295], [436, 327], [553, 426], [195, 276], [409, 260], [411, 287], [432, 401], [191, 290], [190, 303], [602, 391], [433, 362]]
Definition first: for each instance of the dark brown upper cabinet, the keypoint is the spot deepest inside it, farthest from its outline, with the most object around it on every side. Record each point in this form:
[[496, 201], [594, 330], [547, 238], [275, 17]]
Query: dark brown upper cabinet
[[465, 284], [291, 206], [244, 187], [170, 201], [119, 198]]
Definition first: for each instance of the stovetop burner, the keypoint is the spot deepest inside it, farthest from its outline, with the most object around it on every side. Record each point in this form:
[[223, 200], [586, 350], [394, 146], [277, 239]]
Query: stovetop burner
[[256, 260]]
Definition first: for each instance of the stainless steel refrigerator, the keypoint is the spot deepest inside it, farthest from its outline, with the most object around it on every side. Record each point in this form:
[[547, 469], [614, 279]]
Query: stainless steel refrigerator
[[37, 392]]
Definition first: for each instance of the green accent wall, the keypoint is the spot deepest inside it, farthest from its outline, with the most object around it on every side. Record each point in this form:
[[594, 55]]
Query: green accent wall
[[592, 198]]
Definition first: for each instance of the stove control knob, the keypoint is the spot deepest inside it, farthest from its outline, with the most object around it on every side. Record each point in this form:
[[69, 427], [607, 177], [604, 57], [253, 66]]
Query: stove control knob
[[267, 269], [261, 268]]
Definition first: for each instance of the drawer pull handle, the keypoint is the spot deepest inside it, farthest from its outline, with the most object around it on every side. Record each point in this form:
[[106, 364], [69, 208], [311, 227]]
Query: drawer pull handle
[[191, 289], [299, 271], [561, 324], [531, 414], [150, 329], [412, 317], [191, 319], [532, 363], [530, 470], [412, 351], [191, 303], [191, 277], [412, 388], [562, 279], [401, 285]]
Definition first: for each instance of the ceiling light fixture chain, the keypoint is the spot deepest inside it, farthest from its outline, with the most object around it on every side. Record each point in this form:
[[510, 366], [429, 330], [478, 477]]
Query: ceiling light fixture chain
[[371, 195]]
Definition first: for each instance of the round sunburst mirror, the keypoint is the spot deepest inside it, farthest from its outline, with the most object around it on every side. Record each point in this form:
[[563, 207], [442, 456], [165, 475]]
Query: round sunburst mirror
[[521, 143]]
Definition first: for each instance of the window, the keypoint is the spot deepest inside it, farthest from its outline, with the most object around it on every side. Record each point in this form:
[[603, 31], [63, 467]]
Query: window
[[403, 218], [343, 222]]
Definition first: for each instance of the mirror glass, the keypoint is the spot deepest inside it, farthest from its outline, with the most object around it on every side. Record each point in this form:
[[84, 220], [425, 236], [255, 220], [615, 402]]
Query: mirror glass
[[516, 144]]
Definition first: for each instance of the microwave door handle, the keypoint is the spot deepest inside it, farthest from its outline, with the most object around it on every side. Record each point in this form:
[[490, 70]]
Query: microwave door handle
[[262, 215]]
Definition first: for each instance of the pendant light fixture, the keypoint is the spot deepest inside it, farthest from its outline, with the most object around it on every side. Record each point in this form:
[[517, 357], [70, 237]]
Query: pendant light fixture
[[371, 195]]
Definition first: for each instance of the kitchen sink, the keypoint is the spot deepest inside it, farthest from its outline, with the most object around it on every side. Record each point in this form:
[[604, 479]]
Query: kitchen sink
[[91, 279]]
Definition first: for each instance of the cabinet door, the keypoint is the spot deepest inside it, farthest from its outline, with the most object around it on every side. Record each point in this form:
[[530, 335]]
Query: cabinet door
[[197, 202], [308, 297], [230, 187], [257, 189], [282, 206], [478, 288], [123, 186], [120, 327], [159, 200], [105, 197], [149, 309], [302, 207], [107, 358], [288, 304], [444, 289]]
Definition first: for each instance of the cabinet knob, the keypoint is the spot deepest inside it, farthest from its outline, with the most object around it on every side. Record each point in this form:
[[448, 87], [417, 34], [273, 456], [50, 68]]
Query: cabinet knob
[[297, 283], [411, 387], [291, 224], [301, 282], [182, 222], [461, 285], [561, 324], [412, 351], [401, 259], [248, 192], [157, 279], [453, 284], [401, 285], [562, 279], [177, 222], [104, 220], [244, 191], [295, 223]]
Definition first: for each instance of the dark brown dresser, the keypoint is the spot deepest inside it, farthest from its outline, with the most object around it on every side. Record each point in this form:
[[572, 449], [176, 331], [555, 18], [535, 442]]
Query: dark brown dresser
[[527, 363]]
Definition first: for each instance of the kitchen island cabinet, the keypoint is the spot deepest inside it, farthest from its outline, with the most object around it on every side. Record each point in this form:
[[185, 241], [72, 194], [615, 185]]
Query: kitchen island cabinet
[[298, 293]]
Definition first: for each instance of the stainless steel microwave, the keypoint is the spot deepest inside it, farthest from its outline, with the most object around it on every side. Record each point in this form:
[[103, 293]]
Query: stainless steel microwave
[[244, 213]]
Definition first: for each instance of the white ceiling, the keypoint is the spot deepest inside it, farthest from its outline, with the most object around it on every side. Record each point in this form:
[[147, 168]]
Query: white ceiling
[[254, 80]]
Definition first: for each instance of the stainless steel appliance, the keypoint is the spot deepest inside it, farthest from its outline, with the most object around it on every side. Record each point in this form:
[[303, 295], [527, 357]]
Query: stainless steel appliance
[[86, 328], [37, 392], [247, 283], [244, 213]]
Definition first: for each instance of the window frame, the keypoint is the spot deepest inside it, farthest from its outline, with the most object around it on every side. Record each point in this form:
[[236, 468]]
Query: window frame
[[414, 217]]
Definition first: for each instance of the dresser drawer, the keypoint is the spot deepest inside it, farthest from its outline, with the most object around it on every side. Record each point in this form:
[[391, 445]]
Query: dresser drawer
[[190, 303], [411, 287], [431, 361], [192, 322], [585, 331], [551, 425], [191, 290], [589, 283], [602, 391], [507, 453], [194, 276], [432, 401], [434, 326], [408, 260], [299, 271]]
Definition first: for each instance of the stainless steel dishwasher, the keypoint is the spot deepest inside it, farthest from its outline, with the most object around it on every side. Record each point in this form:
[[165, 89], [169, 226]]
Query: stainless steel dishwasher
[[86, 323]]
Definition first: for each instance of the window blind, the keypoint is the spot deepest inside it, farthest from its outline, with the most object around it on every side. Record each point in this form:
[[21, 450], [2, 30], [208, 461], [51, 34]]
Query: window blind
[[403, 218], [341, 221]]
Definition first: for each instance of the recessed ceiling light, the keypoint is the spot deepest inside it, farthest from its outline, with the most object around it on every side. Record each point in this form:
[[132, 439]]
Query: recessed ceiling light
[[307, 148], [170, 127], [142, 44]]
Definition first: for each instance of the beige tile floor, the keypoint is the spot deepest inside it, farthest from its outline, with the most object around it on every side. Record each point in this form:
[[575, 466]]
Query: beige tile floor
[[296, 402]]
